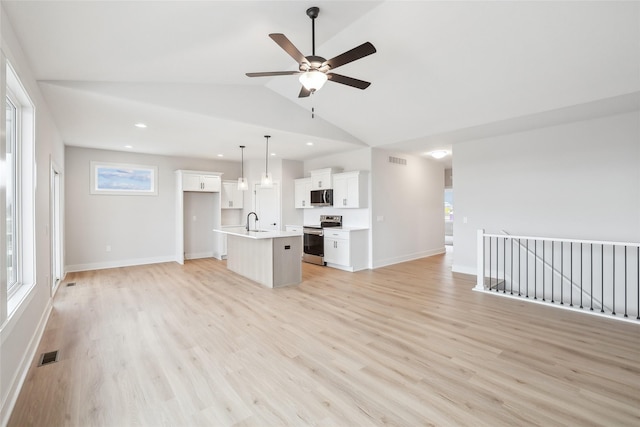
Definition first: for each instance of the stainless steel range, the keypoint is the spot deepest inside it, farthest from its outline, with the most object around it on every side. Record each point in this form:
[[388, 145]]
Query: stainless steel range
[[314, 238]]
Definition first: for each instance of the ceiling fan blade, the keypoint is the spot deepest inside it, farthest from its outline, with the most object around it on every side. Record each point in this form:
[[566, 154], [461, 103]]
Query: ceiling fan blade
[[361, 51], [273, 73], [304, 92], [284, 43], [349, 81]]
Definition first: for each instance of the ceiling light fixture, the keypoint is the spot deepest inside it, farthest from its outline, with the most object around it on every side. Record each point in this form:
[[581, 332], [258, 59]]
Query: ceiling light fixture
[[266, 181], [313, 80], [438, 154], [128, 146], [140, 125], [243, 185]]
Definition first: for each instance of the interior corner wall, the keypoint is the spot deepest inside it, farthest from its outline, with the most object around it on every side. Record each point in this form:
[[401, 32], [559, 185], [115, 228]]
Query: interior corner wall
[[291, 170], [408, 208], [21, 332], [138, 229], [578, 180]]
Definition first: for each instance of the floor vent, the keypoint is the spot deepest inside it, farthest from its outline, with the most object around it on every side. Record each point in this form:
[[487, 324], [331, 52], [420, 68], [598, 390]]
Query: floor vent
[[398, 161], [47, 358], [71, 284]]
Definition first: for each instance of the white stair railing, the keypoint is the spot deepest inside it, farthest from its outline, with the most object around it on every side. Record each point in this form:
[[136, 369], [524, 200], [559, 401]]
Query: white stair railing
[[596, 276]]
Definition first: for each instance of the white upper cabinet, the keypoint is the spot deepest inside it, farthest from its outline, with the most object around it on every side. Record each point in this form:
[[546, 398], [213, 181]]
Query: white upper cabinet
[[302, 194], [232, 198], [321, 178], [350, 189], [200, 182]]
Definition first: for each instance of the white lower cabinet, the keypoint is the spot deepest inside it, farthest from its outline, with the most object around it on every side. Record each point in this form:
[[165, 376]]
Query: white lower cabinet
[[336, 247], [346, 249]]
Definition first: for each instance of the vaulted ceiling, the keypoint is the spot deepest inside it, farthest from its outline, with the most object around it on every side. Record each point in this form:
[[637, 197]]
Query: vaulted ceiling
[[444, 72]]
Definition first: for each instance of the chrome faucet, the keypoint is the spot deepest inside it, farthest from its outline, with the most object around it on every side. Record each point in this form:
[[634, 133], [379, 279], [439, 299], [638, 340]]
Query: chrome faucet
[[248, 215]]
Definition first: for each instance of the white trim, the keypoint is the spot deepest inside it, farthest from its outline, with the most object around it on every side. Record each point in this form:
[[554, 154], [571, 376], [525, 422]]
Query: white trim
[[409, 257], [120, 263], [198, 255], [554, 239], [21, 373], [462, 269], [561, 306]]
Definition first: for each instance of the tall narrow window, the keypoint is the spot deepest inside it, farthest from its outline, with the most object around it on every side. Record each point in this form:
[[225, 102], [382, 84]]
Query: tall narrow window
[[12, 227], [19, 213]]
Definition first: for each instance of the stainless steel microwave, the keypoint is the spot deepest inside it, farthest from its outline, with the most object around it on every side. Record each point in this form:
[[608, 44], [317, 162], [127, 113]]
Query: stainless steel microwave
[[321, 197]]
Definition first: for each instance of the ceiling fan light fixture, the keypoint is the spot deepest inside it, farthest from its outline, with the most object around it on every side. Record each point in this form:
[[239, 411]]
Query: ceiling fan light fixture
[[313, 80]]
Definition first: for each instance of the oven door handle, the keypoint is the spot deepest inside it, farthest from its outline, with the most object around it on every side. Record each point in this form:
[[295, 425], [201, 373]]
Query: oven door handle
[[313, 231]]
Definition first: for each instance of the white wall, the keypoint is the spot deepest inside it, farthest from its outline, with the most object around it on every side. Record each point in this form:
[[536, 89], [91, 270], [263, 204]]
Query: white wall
[[139, 229], [578, 180], [410, 200], [19, 334], [291, 170]]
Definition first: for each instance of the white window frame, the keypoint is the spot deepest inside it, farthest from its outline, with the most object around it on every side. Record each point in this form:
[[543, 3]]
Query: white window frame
[[25, 175], [17, 218]]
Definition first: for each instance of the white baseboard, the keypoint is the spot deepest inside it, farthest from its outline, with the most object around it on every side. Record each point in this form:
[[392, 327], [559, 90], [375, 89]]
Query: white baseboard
[[198, 255], [21, 373], [408, 257], [464, 269], [120, 263]]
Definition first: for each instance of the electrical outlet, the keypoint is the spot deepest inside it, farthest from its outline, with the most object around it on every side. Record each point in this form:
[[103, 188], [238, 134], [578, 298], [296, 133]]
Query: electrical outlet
[[108, 248], [194, 218], [380, 218]]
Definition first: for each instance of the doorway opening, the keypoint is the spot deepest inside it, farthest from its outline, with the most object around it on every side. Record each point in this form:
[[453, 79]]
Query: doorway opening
[[448, 217]]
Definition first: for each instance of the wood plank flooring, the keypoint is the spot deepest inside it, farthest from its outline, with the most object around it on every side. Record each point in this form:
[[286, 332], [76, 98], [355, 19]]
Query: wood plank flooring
[[406, 345]]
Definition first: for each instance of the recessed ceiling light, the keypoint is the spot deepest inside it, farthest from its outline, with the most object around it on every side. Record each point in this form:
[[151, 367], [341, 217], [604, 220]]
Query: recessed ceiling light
[[273, 154], [309, 143], [220, 155], [128, 146], [438, 154], [140, 125]]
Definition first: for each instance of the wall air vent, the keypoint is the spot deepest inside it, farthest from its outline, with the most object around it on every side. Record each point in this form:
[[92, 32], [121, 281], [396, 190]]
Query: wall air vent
[[71, 284], [397, 161]]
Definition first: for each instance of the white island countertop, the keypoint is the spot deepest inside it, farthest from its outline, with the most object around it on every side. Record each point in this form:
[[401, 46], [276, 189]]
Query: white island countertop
[[257, 234]]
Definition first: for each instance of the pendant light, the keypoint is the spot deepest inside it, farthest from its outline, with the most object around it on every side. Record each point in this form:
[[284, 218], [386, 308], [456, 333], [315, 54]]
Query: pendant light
[[266, 181], [242, 181]]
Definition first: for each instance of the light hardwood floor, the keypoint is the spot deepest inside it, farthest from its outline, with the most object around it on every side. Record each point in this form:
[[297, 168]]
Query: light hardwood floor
[[406, 345]]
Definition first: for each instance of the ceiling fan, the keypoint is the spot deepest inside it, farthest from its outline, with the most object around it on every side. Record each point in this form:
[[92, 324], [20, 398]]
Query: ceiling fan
[[314, 70]]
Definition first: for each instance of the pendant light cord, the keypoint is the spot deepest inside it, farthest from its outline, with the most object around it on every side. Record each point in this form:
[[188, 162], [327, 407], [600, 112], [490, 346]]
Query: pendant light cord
[[266, 157]]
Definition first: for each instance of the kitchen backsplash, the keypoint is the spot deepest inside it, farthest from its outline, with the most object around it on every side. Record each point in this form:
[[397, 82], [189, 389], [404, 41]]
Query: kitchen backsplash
[[350, 217]]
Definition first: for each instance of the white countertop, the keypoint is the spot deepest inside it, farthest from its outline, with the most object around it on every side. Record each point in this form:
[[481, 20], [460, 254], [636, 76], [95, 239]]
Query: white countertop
[[270, 234]]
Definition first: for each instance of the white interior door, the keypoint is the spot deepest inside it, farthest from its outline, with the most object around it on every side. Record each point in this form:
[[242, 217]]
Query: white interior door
[[267, 207]]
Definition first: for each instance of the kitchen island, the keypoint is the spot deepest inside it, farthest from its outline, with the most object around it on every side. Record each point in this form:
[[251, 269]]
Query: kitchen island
[[271, 258]]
